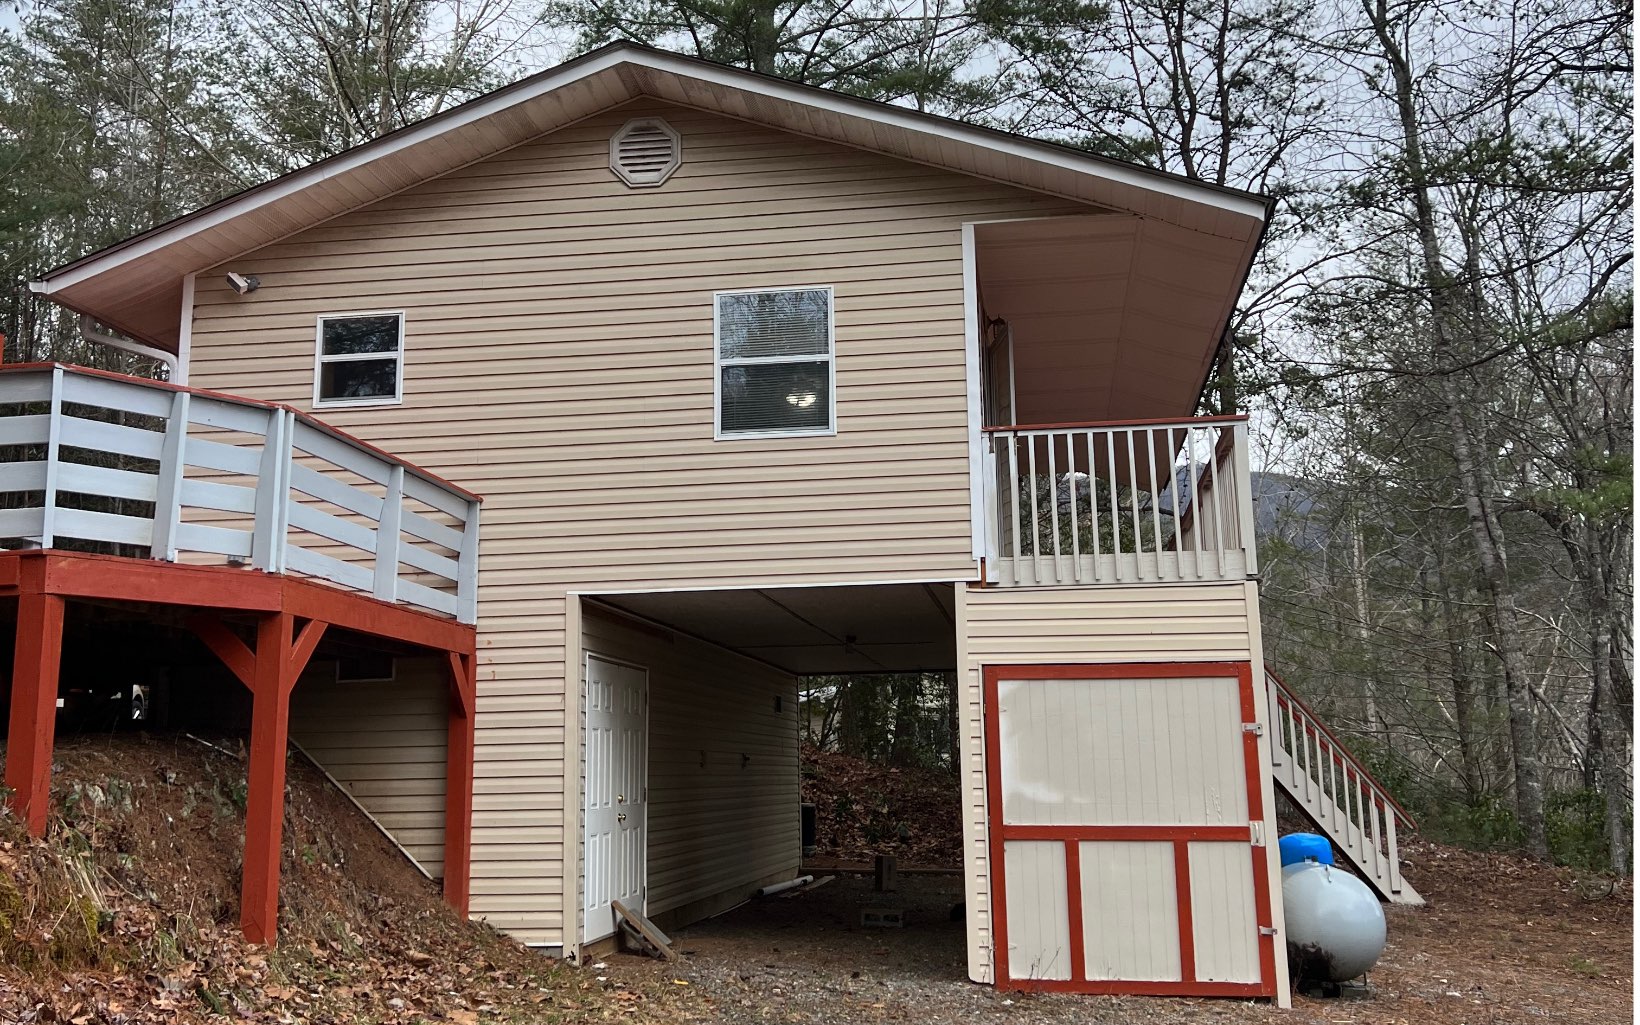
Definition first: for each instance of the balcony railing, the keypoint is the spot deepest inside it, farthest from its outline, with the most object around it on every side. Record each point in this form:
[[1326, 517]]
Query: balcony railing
[[1124, 502], [104, 462]]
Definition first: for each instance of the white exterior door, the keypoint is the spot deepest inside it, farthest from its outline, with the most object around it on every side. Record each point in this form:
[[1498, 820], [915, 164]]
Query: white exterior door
[[617, 698]]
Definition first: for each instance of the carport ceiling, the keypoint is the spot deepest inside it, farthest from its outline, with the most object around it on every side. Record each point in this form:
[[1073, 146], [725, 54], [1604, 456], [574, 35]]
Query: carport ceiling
[[881, 628]]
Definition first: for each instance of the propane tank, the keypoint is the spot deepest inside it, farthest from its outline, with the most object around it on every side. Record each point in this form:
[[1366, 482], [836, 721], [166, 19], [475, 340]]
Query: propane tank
[[1335, 926]]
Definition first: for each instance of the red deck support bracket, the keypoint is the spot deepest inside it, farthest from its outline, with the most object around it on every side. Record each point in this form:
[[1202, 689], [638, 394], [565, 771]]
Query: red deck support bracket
[[35, 669], [239, 659], [458, 781]]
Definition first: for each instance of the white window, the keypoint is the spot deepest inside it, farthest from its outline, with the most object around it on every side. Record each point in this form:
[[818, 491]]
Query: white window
[[360, 359], [775, 367]]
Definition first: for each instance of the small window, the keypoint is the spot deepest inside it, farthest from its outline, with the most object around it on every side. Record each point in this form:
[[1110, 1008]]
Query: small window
[[360, 359], [775, 372]]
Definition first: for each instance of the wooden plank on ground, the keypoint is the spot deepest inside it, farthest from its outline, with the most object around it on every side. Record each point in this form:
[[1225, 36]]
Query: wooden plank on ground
[[654, 942]]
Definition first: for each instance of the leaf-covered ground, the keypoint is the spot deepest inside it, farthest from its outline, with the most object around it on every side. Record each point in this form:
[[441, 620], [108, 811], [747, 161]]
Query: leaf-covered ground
[[128, 912], [863, 809]]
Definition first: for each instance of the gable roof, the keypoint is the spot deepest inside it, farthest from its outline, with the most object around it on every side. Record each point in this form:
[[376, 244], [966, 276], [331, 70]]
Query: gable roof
[[136, 285]]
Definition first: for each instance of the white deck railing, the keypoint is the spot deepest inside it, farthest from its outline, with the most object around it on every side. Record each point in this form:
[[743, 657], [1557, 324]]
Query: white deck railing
[[1128, 502], [105, 462]]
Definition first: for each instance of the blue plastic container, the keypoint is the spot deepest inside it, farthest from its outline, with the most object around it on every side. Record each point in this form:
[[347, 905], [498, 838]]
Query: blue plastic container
[[1300, 847]]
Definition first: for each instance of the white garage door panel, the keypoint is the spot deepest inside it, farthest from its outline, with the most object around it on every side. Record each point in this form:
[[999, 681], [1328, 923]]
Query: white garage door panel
[[1130, 917], [1122, 752], [1039, 931], [1222, 905]]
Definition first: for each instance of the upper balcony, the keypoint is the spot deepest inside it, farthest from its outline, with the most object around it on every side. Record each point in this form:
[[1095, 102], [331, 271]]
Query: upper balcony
[[1129, 502], [1099, 334], [103, 463]]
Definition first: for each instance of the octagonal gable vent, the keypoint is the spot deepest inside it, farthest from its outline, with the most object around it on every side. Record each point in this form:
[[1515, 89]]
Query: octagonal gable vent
[[645, 152]]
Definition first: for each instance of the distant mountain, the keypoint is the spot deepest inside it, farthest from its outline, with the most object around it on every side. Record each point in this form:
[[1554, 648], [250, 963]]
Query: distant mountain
[[1283, 506]]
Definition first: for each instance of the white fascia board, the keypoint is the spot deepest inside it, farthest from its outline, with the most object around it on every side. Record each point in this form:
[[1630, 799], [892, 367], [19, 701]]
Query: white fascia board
[[731, 78]]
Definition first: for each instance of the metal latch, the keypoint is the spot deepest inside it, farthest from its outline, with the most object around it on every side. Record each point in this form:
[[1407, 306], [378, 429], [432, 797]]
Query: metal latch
[[1268, 930], [1255, 833], [1255, 728]]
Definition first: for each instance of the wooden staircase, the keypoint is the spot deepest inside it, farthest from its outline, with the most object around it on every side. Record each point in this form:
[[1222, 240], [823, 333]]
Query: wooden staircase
[[1337, 793]]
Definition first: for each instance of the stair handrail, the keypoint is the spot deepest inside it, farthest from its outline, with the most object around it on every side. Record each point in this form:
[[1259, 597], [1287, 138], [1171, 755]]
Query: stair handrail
[[1340, 752]]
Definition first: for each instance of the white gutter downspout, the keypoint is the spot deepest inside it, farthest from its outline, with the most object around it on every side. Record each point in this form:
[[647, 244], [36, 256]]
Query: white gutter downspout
[[90, 334]]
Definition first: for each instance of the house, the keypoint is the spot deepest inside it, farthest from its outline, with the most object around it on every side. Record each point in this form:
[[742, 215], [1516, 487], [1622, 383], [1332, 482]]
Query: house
[[756, 381]]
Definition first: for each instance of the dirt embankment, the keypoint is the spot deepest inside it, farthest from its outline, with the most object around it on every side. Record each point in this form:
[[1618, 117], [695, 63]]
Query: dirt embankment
[[863, 809], [128, 912]]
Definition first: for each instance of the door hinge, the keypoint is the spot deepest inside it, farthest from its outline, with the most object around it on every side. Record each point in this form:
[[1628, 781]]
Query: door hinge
[[1267, 930], [1255, 833], [1255, 728]]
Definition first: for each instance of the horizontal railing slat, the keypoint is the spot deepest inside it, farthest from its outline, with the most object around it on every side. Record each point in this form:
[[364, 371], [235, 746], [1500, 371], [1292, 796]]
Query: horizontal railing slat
[[310, 439], [107, 481], [214, 455], [421, 527], [312, 482], [22, 522], [203, 537], [317, 521], [118, 395], [98, 436], [35, 387], [421, 594], [27, 429], [207, 411], [218, 497], [420, 489], [304, 560], [432, 562], [101, 526], [30, 476]]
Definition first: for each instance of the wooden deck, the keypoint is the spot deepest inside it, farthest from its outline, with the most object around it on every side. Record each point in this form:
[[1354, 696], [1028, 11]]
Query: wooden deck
[[253, 525]]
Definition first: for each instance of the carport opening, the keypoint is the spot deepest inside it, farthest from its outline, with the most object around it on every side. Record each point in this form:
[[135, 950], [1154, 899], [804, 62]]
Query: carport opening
[[749, 739]]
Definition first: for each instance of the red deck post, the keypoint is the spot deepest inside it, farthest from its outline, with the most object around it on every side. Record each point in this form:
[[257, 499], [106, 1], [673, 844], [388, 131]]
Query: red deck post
[[35, 669], [458, 782], [265, 797]]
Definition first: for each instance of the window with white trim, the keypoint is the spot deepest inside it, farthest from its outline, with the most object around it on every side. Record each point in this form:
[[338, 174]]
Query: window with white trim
[[360, 359], [775, 362]]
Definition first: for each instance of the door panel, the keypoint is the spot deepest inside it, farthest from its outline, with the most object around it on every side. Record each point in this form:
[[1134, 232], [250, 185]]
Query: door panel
[[615, 815], [1123, 801]]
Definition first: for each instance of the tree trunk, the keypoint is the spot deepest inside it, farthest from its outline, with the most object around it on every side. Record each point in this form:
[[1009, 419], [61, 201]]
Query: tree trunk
[[1463, 697], [907, 709], [1473, 480]]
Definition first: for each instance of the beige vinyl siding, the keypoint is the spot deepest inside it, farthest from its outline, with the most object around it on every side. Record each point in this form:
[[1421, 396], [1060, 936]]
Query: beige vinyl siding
[[384, 743], [1075, 625], [558, 361], [718, 826]]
